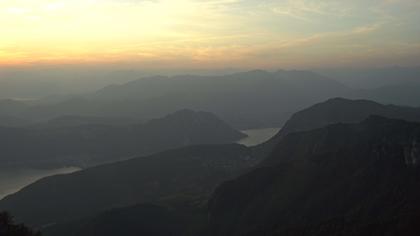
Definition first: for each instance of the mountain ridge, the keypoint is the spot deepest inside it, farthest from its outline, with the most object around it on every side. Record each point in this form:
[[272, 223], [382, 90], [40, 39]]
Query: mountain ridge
[[90, 144]]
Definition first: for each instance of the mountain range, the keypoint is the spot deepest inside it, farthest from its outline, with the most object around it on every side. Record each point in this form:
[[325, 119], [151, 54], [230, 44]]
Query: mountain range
[[253, 99], [336, 168], [78, 142], [236, 98]]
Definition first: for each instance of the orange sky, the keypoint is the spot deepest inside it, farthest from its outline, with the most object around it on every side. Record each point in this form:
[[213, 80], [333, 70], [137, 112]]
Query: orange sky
[[210, 33]]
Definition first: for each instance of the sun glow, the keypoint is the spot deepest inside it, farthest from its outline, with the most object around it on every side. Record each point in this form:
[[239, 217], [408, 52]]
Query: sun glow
[[207, 32], [91, 30]]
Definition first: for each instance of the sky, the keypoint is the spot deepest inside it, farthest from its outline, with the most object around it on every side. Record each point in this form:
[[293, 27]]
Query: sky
[[210, 33]]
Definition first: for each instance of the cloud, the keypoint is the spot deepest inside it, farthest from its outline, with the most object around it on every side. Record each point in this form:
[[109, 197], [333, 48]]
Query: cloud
[[208, 31], [306, 9]]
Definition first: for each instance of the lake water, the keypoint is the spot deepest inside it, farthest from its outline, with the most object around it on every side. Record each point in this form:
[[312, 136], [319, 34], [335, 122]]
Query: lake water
[[258, 136], [12, 180]]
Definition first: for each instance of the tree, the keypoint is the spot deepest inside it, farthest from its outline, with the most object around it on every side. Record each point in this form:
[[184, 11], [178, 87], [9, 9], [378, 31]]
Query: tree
[[9, 228]]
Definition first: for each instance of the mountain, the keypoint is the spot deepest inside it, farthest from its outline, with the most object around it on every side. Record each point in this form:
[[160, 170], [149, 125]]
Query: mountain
[[90, 144], [368, 78], [252, 99], [11, 113], [400, 94], [341, 110], [186, 173], [11, 121], [248, 99], [74, 121], [337, 110], [158, 86], [358, 178], [343, 179], [11, 106]]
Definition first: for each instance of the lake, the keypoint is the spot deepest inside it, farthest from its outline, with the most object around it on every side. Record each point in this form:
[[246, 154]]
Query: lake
[[14, 179], [257, 136]]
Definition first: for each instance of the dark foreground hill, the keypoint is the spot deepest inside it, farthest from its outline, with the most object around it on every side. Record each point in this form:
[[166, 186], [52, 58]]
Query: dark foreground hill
[[89, 144], [186, 173], [344, 179], [143, 219]]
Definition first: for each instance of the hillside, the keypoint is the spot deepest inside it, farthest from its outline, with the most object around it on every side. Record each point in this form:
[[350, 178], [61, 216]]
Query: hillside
[[143, 219], [344, 179], [182, 173]]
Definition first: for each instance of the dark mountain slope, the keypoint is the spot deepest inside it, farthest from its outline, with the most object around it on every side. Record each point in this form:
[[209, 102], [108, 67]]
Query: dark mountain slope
[[95, 143], [340, 110], [191, 171], [144, 219], [337, 110], [345, 179]]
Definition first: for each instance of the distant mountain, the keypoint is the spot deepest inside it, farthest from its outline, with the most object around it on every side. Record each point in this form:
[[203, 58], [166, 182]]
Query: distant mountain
[[12, 107], [248, 99], [337, 110], [12, 113], [368, 78], [399, 94], [12, 121], [388, 85], [89, 144], [158, 86], [252, 99], [72, 121], [187, 173], [344, 179]]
